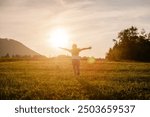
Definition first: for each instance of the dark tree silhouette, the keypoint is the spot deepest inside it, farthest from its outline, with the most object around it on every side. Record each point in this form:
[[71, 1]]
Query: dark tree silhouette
[[131, 45], [7, 55]]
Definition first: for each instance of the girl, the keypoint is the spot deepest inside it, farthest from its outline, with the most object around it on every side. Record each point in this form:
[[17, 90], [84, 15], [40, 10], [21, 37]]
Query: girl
[[75, 57]]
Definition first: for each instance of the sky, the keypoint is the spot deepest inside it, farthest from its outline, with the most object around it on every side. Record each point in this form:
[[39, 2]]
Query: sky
[[92, 23]]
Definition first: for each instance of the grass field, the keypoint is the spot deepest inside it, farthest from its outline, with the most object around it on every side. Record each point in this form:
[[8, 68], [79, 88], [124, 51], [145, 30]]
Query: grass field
[[54, 79]]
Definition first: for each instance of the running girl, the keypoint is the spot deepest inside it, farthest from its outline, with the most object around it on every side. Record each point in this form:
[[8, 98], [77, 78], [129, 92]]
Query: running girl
[[75, 57]]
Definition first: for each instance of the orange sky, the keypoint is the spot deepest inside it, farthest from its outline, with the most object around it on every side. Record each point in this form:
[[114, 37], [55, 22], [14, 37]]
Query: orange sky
[[89, 22]]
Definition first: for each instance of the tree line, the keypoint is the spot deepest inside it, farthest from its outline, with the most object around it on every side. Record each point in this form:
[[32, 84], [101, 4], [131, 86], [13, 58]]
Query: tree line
[[131, 44], [17, 56]]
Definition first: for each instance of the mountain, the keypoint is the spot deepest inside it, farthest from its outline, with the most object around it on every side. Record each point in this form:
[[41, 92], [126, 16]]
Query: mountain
[[13, 47]]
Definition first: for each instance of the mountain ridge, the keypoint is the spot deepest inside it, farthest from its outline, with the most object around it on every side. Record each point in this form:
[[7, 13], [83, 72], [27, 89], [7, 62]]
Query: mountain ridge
[[13, 47]]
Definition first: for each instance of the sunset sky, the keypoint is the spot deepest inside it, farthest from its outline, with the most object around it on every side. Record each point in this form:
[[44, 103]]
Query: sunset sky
[[87, 22]]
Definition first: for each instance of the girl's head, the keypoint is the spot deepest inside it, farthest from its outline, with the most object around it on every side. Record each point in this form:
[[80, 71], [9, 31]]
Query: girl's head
[[74, 46]]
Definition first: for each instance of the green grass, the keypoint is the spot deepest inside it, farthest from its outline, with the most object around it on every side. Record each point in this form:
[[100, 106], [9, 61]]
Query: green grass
[[54, 79]]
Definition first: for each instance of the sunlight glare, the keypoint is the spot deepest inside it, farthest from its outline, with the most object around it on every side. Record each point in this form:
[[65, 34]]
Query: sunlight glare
[[59, 38]]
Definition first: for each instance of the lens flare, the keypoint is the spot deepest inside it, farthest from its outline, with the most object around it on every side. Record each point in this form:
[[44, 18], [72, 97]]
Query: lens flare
[[91, 60]]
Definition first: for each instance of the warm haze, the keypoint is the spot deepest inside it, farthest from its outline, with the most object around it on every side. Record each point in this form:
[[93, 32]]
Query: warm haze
[[43, 25]]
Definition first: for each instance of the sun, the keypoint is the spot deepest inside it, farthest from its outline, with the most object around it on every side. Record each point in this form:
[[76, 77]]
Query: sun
[[59, 38]]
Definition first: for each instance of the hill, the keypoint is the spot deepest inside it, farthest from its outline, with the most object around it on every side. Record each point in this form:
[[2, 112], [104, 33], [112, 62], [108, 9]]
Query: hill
[[13, 47]]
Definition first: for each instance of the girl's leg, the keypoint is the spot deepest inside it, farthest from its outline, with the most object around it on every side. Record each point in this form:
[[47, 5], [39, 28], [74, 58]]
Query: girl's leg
[[78, 67], [74, 66], [74, 69]]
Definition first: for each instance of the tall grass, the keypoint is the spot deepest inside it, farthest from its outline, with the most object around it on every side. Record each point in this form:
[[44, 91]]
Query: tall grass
[[54, 79]]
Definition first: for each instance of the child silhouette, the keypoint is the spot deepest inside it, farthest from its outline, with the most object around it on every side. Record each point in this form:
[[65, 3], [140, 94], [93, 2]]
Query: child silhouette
[[75, 57]]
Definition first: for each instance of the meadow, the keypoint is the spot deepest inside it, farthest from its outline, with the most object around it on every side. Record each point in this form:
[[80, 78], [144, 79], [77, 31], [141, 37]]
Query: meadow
[[54, 79]]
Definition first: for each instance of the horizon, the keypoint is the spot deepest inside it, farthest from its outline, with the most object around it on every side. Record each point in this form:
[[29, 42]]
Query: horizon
[[88, 23]]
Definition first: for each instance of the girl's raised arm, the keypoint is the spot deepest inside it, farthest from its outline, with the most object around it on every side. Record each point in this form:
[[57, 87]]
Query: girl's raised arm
[[65, 49], [85, 48]]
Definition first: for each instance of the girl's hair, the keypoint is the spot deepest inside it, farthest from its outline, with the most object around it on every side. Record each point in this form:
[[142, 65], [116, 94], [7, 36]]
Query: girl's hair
[[74, 45]]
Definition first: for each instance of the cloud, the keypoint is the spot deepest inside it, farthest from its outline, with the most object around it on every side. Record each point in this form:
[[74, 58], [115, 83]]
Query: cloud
[[94, 22]]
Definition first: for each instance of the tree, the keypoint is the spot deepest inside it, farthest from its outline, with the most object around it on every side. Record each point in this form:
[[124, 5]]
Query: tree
[[131, 45], [7, 56]]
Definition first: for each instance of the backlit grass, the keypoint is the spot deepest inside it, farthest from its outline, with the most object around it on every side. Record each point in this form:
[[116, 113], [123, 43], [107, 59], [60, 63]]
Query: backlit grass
[[54, 79]]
